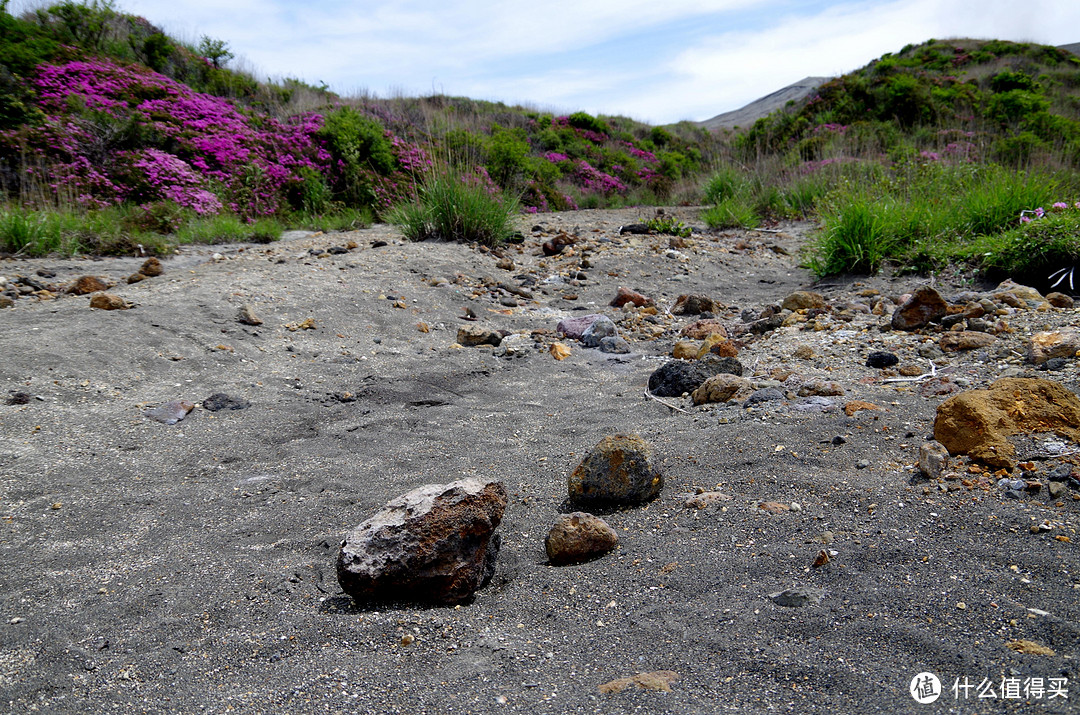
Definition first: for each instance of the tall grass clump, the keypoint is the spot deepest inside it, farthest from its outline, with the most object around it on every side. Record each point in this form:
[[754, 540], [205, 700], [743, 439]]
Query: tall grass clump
[[923, 213], [450, 206]]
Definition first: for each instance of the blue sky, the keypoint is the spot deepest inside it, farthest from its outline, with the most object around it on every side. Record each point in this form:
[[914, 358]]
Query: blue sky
[[657, 61]]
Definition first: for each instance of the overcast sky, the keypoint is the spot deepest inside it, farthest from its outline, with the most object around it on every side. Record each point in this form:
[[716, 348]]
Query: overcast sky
[[657, 61]]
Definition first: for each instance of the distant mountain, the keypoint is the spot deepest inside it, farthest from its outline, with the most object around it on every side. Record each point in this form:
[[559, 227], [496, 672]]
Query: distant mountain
[[1073, 48], [746, 116]]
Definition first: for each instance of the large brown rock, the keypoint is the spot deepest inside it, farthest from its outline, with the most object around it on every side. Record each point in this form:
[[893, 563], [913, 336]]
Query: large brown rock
[[84, 285], [979, 422], [435, 544], [923, 307], [619, 470], [579, 537]]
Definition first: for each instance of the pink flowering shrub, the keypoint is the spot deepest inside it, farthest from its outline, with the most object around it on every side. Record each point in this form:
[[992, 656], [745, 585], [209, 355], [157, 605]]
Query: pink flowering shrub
[[198, 144], [595, 181]]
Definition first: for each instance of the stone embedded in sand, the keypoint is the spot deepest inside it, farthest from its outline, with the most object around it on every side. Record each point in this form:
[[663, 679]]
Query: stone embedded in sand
[[472, 335], [435, 544], [923, 307], [579, 537], [657, 680], [803, 300], [246, 315], [722, 388], [85, 285], [797, 597], [151, 268], [624, 295], [933, 459], [979, 422], [574, 328], [717, 344], [694, 305], [1059, 300], [1059, 343], [819, 387], [615, 345], [959, 340], [171, 412], [221, 401], [705, 500], [619, 470], [108, 301], [855, 406], [880, 359], [135, 278], [1031, 297], [676, 377], [701, 329], [685, 350], [559, 351], [601, 328], [6, 302]]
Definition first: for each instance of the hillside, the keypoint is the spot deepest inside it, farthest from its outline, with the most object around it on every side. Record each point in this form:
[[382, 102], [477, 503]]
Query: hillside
[[101, 110], [995, 100]]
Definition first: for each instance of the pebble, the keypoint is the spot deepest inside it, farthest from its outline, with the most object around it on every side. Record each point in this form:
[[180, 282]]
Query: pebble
[[221, 401], [797, 597], [170, 412]]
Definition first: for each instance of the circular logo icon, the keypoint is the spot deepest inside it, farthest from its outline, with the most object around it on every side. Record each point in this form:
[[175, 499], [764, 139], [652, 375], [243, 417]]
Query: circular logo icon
[[925, 688]]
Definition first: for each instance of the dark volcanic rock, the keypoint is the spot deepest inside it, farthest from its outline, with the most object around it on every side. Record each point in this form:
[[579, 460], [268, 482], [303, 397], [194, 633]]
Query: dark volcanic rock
[[221, 401], [676, 377], [435, 544], [618, 470], [881, 359]]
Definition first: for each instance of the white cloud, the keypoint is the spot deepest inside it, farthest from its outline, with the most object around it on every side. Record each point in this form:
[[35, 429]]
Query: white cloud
[[656, 61]]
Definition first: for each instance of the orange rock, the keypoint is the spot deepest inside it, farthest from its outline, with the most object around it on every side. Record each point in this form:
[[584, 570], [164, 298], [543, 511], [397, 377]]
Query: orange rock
[[979, 422], [857, 406]]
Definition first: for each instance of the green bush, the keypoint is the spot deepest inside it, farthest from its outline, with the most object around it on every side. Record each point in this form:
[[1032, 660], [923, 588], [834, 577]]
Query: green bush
[[583, 120], [360, 144], [449, 207], [506, 153]]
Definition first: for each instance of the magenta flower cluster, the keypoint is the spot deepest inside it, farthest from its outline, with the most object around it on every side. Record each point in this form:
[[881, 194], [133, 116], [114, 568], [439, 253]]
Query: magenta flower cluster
[[555, 157], [593, 180], [1029, 215], [201, 144]]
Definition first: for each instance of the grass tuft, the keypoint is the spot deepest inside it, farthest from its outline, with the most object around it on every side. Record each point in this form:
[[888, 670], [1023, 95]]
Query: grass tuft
[[450, 208]]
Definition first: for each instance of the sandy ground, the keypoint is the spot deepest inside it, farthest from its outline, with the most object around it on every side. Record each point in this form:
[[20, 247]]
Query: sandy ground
[[190, 568]]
